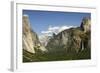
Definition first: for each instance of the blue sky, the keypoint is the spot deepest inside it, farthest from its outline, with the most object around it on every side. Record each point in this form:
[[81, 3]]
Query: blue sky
[[41, 20]]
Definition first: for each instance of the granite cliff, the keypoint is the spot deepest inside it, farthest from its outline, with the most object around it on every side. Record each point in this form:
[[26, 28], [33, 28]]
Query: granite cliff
[[30, 41]]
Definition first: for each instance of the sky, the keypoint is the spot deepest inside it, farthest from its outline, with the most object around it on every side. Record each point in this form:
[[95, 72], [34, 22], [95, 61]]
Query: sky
[[47, 21]]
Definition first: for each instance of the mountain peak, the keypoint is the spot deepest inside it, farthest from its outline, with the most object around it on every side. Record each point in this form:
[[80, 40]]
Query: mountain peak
[[86, 24]]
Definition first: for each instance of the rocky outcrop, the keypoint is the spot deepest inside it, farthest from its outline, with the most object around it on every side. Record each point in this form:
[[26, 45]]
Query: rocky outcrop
[[73, 40], [86, 24], [28, 44], [30, 39]]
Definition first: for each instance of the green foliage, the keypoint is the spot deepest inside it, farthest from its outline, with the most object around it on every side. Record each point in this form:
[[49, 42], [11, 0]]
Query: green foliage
[[55, 56]]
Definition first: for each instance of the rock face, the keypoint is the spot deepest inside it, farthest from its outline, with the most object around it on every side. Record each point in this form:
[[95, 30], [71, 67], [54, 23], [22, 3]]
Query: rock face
[[73, 40], [86, 24], [30, 39]]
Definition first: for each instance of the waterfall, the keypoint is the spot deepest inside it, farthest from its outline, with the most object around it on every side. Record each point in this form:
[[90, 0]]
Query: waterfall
[[82, 46]]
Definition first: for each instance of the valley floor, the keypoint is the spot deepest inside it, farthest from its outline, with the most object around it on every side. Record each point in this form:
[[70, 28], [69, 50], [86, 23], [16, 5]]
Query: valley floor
[[38, 57]]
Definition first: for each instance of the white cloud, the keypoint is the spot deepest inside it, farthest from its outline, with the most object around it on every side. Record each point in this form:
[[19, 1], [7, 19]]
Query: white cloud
[[65, 27], [53, 28], [56, 29], [46, 32]]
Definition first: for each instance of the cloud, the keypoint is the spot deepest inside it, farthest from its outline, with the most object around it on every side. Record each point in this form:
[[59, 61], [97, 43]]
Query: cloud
[[46, 32], [50, 30], [55, 29], [65, 27]]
